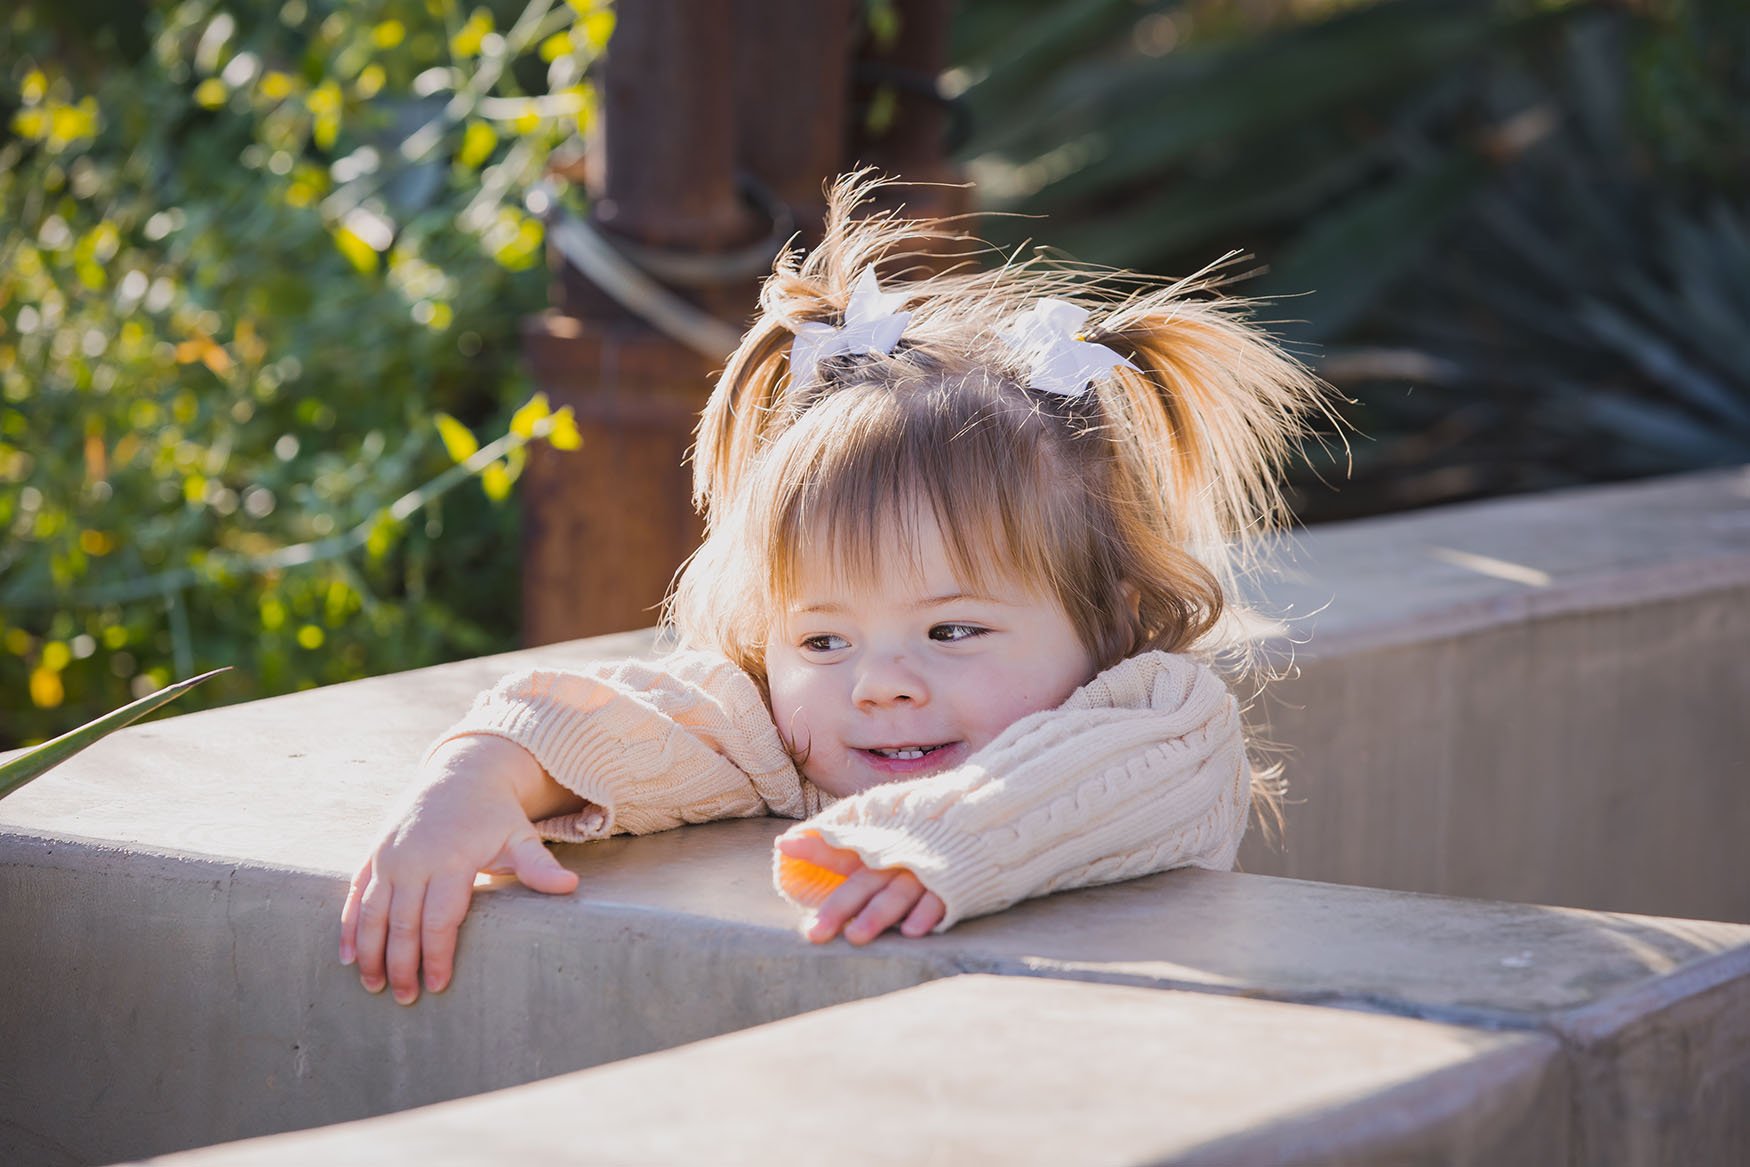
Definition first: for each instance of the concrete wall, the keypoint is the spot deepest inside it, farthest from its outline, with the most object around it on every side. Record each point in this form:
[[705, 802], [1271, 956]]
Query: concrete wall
[[1538, 699], [191, 1001], [169, 899], [1010, 1070]]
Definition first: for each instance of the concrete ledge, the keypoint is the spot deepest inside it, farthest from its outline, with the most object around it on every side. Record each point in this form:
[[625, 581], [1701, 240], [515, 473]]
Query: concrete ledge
[[983, 1069], [184, 879], [1537, 699], [238, 1021], [222, 1011]]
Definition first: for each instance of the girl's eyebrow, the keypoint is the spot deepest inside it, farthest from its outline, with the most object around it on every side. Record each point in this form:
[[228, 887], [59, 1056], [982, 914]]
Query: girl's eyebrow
[[829, 608], [954, 597]]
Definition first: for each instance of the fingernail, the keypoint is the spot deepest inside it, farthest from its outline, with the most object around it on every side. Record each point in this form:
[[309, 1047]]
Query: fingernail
[[406, 996], [432, 985], [347, 956], [374, 986]]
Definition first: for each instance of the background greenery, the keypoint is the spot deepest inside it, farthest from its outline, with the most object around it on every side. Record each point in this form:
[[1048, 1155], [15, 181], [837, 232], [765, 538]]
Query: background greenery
[[1516, 232], [253, 255], [249, 253]]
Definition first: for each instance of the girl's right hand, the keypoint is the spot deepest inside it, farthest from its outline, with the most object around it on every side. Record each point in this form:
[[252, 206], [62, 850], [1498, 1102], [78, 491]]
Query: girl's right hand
[[471, 811]]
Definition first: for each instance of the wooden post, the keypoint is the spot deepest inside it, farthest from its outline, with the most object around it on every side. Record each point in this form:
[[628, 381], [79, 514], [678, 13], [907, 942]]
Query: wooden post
[[792, 93], [605, 527], [696, 98]]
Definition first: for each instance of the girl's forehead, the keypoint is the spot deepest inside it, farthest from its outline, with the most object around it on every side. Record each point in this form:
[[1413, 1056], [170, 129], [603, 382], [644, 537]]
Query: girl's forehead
[[914, 560]]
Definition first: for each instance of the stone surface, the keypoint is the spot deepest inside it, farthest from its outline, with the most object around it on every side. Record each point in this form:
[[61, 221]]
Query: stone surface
[[1536, 699], [179, 885], [232, 1018], [1007, 1070], [1437, 574]]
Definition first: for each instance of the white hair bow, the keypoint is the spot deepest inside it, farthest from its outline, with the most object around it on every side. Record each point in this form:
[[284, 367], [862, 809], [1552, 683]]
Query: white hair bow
[[1047, 339], [872, 325]]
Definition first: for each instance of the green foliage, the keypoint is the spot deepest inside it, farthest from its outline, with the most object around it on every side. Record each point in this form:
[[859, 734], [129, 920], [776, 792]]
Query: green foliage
[[1514, 232], [32, 764], [247, 257]]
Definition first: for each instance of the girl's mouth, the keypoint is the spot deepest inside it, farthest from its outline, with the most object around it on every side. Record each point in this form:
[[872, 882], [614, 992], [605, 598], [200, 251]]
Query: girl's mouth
[[907, 761], [905, 753]]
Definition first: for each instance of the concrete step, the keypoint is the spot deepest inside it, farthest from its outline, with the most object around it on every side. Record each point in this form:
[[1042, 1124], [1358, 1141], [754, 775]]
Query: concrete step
[[983, 1069]]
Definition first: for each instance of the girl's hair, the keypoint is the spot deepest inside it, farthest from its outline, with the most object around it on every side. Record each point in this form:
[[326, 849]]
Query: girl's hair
[[1139, 505]]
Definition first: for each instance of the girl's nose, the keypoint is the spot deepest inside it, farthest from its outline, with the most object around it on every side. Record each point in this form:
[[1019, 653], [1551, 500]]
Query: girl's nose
[[887, 681]]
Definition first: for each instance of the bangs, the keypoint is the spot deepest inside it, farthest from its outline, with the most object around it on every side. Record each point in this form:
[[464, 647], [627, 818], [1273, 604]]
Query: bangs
[[853, 483]]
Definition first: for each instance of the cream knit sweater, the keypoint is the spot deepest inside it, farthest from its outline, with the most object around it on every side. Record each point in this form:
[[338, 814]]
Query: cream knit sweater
[[1142, 769]]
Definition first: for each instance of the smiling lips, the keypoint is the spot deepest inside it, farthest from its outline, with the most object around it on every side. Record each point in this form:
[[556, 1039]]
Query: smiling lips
[[902, 752], [907, 760]]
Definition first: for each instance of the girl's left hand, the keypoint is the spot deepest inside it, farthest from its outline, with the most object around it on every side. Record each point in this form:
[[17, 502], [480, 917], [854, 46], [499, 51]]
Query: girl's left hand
[[870, 900]]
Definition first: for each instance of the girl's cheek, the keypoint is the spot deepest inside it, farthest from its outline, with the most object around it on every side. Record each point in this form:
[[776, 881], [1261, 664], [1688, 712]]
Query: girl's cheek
[[790, 711]]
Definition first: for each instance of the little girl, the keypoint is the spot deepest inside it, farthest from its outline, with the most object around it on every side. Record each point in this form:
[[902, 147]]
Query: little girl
[[968, 540]]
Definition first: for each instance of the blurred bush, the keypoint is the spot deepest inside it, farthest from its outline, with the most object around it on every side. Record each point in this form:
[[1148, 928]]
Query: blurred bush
[[248, 254], [1515, 232]]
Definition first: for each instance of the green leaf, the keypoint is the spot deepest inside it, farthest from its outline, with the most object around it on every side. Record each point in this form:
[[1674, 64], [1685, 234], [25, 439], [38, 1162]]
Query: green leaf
[[1347, 259], [15, 772]]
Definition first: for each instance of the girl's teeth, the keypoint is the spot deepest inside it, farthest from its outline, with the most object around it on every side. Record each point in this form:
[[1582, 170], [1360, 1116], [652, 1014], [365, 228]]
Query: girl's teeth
[[905, 754]]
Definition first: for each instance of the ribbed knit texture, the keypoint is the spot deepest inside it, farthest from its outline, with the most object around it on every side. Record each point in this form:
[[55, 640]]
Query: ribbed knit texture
[[648, 745], [1140, 770]]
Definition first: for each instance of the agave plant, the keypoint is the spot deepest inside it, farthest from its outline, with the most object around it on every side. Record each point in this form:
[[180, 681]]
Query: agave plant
[[1510, 232], [17, 770]]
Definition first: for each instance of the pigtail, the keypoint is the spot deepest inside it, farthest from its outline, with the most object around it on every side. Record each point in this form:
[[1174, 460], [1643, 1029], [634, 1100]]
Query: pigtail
[[732, 426], [1215, 409]]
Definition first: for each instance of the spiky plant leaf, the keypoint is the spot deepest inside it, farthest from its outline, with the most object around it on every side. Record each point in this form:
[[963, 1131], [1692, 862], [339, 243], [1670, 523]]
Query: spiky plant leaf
[[15, 772]]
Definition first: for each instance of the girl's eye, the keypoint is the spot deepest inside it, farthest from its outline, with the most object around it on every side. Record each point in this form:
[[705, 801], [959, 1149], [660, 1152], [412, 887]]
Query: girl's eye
[[824, 642], [954, 632]]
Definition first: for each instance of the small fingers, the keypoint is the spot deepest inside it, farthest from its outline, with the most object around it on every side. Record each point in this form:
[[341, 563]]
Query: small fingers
[[405, 913], [924, 918], [886, 908], [539, 869], [372, 932], [446, 903], [349, 914], [846, 901]]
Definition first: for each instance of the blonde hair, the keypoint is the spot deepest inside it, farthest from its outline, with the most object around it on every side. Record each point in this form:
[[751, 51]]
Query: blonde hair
[[1139, 505]]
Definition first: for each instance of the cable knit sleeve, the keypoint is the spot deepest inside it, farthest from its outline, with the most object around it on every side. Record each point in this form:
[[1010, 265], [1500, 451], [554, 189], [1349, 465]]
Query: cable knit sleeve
[[1141, 770], [648, 745]]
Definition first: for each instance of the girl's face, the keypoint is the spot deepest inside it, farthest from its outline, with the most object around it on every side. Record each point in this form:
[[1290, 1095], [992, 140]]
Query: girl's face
[[907, 674]]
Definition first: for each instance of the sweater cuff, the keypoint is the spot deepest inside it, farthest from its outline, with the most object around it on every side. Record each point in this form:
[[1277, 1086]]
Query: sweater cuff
[[953, 865], [578, 755]]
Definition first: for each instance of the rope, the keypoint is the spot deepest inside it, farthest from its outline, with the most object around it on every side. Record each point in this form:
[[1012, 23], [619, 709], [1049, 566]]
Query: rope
[[625, 272]]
